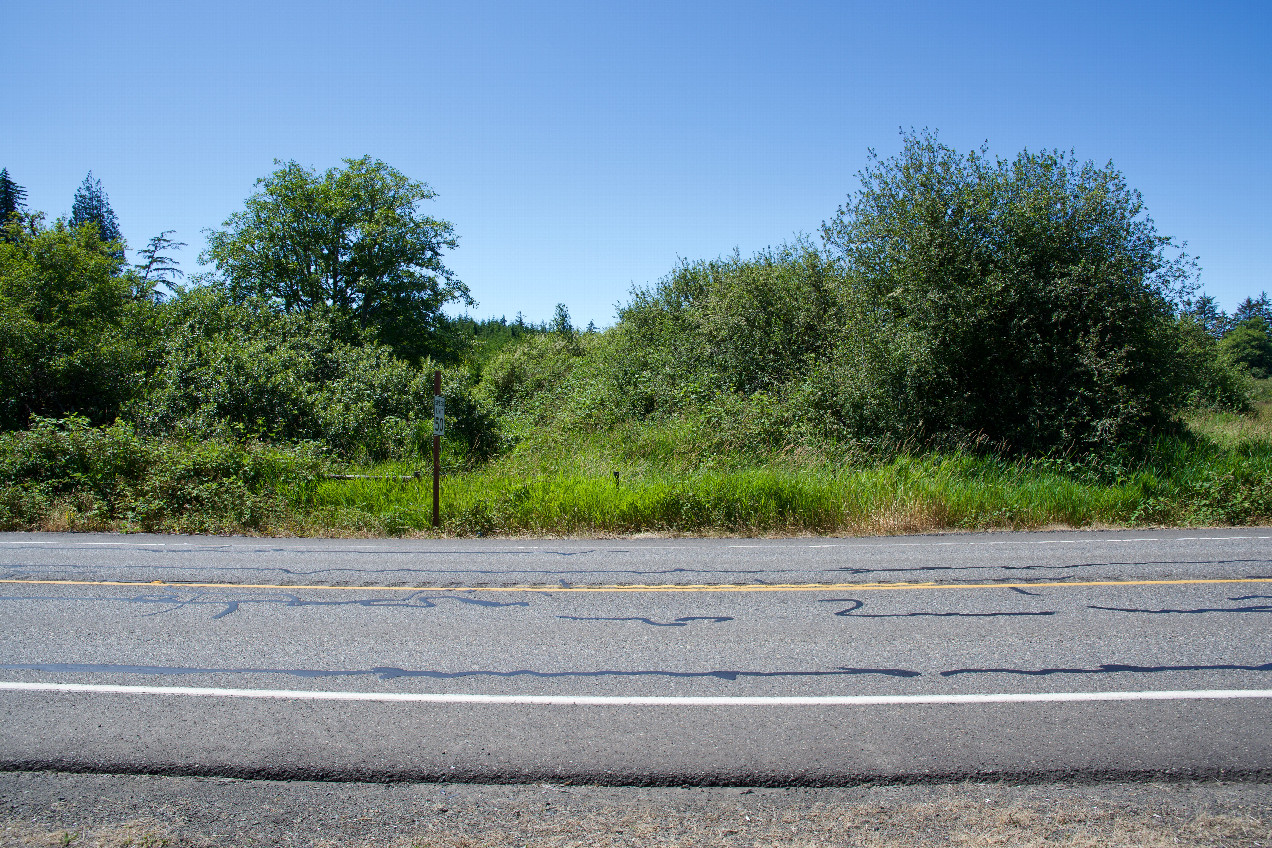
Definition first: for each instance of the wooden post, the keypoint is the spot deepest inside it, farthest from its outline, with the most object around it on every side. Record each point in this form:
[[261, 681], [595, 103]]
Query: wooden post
[[437, 456]]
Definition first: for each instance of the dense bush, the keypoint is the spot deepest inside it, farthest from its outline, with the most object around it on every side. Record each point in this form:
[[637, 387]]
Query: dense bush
[[1026, 302], [76, 476], [735, 325], [250, 369], [1248, 346]]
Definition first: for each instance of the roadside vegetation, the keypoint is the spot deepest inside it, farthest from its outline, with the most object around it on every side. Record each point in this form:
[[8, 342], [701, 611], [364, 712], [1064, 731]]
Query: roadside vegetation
[[969, 342]]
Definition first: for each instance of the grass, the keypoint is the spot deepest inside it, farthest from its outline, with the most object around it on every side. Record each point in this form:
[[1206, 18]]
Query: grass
[[549, 485], [673, 477]]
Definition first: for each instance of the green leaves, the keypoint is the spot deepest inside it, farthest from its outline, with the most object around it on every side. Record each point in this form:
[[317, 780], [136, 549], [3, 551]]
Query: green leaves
[[73, 335], [350, 240], [1025, 303]]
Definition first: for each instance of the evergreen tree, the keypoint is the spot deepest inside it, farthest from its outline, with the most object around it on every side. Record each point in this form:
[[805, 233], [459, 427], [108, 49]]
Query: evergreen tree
[[155, 269], [1259, 307], [92, 205], [12, 197], [561, 324]]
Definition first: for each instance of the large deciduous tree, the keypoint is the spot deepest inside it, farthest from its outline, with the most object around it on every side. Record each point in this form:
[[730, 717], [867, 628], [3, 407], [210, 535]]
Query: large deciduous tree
[[74, 338], [351, 241], [1024, 302]]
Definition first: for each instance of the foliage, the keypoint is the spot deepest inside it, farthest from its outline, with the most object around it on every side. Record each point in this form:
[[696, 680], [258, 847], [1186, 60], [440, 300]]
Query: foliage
[[1251, 307], [481, 340], [73, 337], [69, 475], [250, 369], [350, 241], [12, 200], [1248, 345], [728, 325], [1205, 312], [1213, 381], [155, 268], [92, 206], [1024, 303]]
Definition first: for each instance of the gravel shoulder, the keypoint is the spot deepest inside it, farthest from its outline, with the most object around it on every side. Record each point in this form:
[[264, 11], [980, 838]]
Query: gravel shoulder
[[48, 808]]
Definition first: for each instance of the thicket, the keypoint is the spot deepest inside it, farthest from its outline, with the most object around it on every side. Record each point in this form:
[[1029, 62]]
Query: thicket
[[68, 474], [960, 314], [1025, 307]]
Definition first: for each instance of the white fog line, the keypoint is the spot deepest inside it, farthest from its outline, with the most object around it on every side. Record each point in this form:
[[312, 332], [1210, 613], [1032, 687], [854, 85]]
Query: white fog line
[[1000, 542], [642, 700]]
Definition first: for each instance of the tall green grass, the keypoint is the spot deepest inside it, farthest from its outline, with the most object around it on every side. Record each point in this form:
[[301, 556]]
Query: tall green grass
[[1221, 473], [673, 478]]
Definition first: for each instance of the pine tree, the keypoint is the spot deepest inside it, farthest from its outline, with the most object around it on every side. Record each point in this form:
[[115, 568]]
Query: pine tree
[[1206, 312], [1260, 307], [92, 205], [12, 201]]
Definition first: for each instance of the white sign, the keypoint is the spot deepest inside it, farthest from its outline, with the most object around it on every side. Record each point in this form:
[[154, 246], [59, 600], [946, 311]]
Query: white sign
[[439, 415]]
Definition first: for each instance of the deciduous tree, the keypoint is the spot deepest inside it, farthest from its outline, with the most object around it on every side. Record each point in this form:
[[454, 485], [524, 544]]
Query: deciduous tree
[[1025, 302], [351, 240]]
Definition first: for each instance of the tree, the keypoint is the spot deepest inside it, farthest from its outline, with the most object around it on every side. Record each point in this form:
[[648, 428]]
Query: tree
[[92, 206], [1248, 345], [1259, 307], [350, 241], [1025, 303], [560, 323], [73, 336], [155, 268], [1206, 312], [12, 197]]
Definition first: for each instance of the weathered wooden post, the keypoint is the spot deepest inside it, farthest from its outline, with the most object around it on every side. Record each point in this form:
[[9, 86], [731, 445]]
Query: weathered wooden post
[[439, 425]]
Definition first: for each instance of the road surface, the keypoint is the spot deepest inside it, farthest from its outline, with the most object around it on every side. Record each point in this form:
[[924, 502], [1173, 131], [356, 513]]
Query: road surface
[[797, 661]]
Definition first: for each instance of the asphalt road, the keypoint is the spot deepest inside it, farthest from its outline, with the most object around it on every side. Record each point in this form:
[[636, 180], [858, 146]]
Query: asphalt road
[[798, 661]]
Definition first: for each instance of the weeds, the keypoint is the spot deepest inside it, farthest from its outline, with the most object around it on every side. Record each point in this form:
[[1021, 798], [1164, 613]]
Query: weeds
[[670, 479]]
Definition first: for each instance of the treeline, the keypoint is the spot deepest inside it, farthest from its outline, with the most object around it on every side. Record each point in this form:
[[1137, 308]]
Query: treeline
[[1022, 306]]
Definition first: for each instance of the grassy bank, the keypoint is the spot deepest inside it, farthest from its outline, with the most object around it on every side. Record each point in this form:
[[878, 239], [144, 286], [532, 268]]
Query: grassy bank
[[1220, 473], [69, 476]]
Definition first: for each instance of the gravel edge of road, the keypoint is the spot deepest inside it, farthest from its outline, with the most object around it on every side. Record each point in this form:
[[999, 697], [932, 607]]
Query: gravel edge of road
[[51, 808]]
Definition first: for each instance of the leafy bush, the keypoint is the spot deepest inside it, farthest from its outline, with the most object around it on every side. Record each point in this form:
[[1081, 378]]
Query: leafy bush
[[1026, 303], [69, 473], [75, 334], [249, 369], [1248, 346], [731, 325]]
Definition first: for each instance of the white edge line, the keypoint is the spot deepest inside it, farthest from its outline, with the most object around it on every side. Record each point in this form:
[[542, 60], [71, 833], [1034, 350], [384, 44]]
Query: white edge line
[[641, 700]]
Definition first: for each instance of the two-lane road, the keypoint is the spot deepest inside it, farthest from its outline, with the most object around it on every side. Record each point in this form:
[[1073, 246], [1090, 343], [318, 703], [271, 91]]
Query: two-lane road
[[766, 661]]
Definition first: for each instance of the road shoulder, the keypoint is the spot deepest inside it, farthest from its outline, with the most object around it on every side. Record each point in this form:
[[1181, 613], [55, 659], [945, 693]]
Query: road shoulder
[[49, 808]]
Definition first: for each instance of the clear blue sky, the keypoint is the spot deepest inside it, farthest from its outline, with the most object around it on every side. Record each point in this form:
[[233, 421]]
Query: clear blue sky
[[579, 148]]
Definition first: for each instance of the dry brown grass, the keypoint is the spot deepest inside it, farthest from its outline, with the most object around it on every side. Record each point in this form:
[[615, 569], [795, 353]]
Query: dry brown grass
[[952, 821], [1229, 430]]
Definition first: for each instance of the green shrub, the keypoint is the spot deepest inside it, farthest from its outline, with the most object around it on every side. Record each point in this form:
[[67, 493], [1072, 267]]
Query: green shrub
[[75, 335], [69, 473], [248, 369], [1024, 303]]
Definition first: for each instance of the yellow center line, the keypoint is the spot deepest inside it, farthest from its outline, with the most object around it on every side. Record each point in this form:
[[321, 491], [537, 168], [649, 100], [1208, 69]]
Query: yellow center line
[[665, 587]]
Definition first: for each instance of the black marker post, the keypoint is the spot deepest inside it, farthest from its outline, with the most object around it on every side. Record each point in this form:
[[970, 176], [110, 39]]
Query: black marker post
[[439, 425]]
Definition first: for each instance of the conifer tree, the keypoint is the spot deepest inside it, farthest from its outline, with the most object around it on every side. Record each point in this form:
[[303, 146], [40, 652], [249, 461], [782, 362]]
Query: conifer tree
[[12, 197], [92, 205], [155, 268]]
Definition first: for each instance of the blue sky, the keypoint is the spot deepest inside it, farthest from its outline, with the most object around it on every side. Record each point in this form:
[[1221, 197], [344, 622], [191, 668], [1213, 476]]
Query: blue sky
[[581, 148]]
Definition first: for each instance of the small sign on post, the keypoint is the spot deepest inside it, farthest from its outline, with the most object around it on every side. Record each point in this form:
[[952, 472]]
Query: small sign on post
[[439, 424]]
